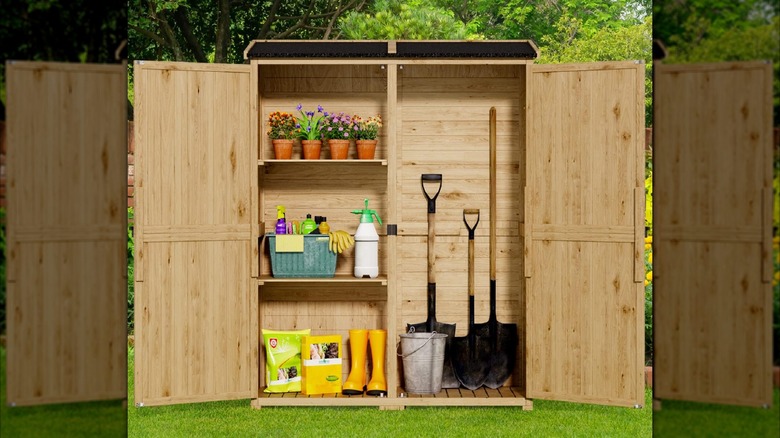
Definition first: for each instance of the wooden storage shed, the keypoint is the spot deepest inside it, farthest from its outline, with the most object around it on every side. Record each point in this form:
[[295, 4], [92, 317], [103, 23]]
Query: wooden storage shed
[[570, 215]]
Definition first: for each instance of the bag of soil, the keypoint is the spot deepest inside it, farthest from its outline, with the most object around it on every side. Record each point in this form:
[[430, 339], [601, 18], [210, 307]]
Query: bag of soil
[[283, 360]]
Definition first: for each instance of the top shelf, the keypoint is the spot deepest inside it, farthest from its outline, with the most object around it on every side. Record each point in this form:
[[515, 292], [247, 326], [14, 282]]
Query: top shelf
[[325, 162]]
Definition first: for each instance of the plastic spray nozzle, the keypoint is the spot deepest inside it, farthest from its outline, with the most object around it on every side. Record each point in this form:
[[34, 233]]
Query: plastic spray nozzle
[[280, 210], [366, 213]]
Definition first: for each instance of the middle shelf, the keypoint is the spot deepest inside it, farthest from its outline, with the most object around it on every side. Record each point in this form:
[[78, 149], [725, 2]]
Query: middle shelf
[[380, 280]]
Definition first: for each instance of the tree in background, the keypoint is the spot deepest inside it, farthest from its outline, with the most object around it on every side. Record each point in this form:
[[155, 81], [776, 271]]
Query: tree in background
[[72, 31], [219, 31], [400, 20], [720, 30]]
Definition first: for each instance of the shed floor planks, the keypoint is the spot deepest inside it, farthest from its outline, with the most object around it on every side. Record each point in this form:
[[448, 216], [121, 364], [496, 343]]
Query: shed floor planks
[[504, 396]]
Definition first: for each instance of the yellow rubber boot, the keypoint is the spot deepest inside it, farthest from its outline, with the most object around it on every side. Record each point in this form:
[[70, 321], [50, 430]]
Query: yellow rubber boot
[[378, 384], [356, 382]]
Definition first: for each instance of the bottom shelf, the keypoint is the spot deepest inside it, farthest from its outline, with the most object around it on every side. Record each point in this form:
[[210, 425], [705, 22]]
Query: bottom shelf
[[504, 396]]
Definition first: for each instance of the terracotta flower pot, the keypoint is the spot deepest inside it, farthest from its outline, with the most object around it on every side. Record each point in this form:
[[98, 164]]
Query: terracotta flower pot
[[282, 149], [366, 149], [339, 149], [311, 149]]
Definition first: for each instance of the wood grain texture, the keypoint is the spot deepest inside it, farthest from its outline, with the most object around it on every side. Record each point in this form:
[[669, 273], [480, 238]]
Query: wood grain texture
[[196, 310], [711, 293], [66, 222], [583, 306]]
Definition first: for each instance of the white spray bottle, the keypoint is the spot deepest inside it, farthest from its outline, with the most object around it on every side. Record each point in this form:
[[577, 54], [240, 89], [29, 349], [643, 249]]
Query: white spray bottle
[[367, 244]]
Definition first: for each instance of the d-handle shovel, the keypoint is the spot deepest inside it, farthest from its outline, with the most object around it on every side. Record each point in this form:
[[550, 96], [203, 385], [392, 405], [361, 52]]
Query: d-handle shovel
[[471, 354], [430, 325]]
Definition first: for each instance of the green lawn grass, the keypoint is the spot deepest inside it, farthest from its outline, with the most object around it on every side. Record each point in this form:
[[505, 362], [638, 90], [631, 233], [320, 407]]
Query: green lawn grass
[[237, 418], [92, 419]]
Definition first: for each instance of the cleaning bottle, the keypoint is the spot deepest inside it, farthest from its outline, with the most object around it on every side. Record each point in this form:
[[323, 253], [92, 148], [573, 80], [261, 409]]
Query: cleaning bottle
[[308, 225], [367, 244], [281, 225], [323, 226]]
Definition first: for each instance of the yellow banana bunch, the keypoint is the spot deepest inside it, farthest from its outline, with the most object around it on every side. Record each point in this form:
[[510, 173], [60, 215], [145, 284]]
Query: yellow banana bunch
[[339, 241]]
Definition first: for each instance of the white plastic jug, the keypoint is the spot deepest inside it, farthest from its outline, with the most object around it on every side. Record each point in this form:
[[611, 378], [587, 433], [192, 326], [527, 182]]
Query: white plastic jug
[[366, 244]]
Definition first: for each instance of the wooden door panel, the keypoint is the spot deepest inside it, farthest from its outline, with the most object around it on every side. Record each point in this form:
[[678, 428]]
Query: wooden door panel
[[583, 235], [712, 233], [66, 233], [198, 344], [196, 316], [586, 323]]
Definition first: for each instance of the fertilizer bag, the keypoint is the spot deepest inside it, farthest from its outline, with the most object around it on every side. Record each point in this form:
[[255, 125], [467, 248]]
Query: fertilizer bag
[[283, 360]]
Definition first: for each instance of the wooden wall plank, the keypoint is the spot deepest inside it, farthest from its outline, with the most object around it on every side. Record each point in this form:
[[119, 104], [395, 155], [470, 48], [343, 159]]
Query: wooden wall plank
[[443, 128]]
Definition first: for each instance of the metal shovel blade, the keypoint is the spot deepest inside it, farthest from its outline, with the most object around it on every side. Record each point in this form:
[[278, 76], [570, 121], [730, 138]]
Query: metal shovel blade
[[502, 339]]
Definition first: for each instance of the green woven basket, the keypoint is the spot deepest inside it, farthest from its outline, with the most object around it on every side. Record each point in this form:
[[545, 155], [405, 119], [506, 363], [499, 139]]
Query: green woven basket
[[316, 261]]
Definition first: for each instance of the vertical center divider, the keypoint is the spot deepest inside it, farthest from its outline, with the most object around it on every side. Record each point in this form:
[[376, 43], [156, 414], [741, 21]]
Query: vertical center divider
[[393, 163]]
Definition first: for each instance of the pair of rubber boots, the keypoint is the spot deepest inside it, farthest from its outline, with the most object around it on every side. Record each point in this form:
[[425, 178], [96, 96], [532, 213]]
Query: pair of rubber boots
[[356, 382]]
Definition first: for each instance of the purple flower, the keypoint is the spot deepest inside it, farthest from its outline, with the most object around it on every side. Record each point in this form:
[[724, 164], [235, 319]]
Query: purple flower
[[298, 125], [356, 127], [310, 113], [346, 135], [326, 114], [319, 108], [335, 119], [308, 129], [299, 107]]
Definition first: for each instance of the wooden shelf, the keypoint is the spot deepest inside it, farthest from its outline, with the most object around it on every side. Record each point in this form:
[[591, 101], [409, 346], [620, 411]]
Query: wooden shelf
[[504, 396], [325, 162], [381, 280]]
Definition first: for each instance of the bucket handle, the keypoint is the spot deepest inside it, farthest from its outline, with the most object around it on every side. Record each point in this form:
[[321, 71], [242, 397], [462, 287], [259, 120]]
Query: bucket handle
[[398, 346]]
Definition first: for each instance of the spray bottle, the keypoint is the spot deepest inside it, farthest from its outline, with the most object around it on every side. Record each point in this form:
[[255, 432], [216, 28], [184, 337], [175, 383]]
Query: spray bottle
[[281, 224], [366, 244]]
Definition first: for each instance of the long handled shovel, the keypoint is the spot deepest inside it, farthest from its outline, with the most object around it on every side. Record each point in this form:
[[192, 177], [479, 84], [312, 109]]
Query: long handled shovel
[[471, 353], [502, 337], [448, 375]]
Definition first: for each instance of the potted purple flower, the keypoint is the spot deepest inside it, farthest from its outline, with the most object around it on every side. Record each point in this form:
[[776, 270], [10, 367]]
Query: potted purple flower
[[309, 131], [338, 130]]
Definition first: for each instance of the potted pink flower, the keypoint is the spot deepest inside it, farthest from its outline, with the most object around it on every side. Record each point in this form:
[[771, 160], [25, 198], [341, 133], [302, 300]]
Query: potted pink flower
[[337, 130]]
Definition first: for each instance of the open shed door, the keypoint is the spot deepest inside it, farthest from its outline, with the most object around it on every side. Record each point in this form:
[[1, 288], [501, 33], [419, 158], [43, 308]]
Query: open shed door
[[195, 307], [67, 284], [713, 233], [584, 212]]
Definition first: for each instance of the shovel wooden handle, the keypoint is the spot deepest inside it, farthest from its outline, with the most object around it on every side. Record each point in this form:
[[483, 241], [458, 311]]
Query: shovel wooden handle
[[435, 177], [471, 229], [493, 193], [431, 253]]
